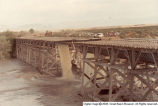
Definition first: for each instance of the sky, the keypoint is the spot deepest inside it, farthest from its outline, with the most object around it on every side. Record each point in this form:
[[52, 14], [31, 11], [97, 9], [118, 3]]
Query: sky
[[60, 14]]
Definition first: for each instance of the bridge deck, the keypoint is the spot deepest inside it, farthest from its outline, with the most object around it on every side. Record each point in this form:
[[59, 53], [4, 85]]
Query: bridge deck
[[57, 39], [125, 43]]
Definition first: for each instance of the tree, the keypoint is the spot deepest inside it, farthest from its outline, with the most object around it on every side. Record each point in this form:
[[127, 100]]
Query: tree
[[31, 31]]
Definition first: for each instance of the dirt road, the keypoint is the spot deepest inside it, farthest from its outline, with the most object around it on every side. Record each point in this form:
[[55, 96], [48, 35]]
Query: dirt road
[[21, 85]]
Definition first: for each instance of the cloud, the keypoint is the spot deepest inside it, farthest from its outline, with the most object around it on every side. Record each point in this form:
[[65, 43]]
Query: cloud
[[78, 13]]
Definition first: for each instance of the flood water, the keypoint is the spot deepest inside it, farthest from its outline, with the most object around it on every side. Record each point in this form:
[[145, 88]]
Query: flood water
[[21, 85], [65, 60]]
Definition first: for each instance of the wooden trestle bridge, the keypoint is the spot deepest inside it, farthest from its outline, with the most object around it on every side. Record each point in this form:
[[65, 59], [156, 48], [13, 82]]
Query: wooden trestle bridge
[[113, 70]]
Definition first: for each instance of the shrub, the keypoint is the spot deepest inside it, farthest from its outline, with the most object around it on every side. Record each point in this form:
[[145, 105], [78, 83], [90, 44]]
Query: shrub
[[5, 47], [31, 31]]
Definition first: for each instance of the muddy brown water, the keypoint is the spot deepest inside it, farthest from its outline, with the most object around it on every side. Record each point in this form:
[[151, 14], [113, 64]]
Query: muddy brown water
[[22, 85], [65, 60]]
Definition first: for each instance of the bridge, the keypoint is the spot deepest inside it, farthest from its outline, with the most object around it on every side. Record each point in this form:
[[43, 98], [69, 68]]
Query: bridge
[[112, 70]]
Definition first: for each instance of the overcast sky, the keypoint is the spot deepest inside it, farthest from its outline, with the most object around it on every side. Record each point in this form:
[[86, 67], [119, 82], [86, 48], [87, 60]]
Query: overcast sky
[[76, 13]]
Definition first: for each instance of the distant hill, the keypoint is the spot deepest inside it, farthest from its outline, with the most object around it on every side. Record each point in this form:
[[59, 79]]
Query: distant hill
[[122, 26]]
